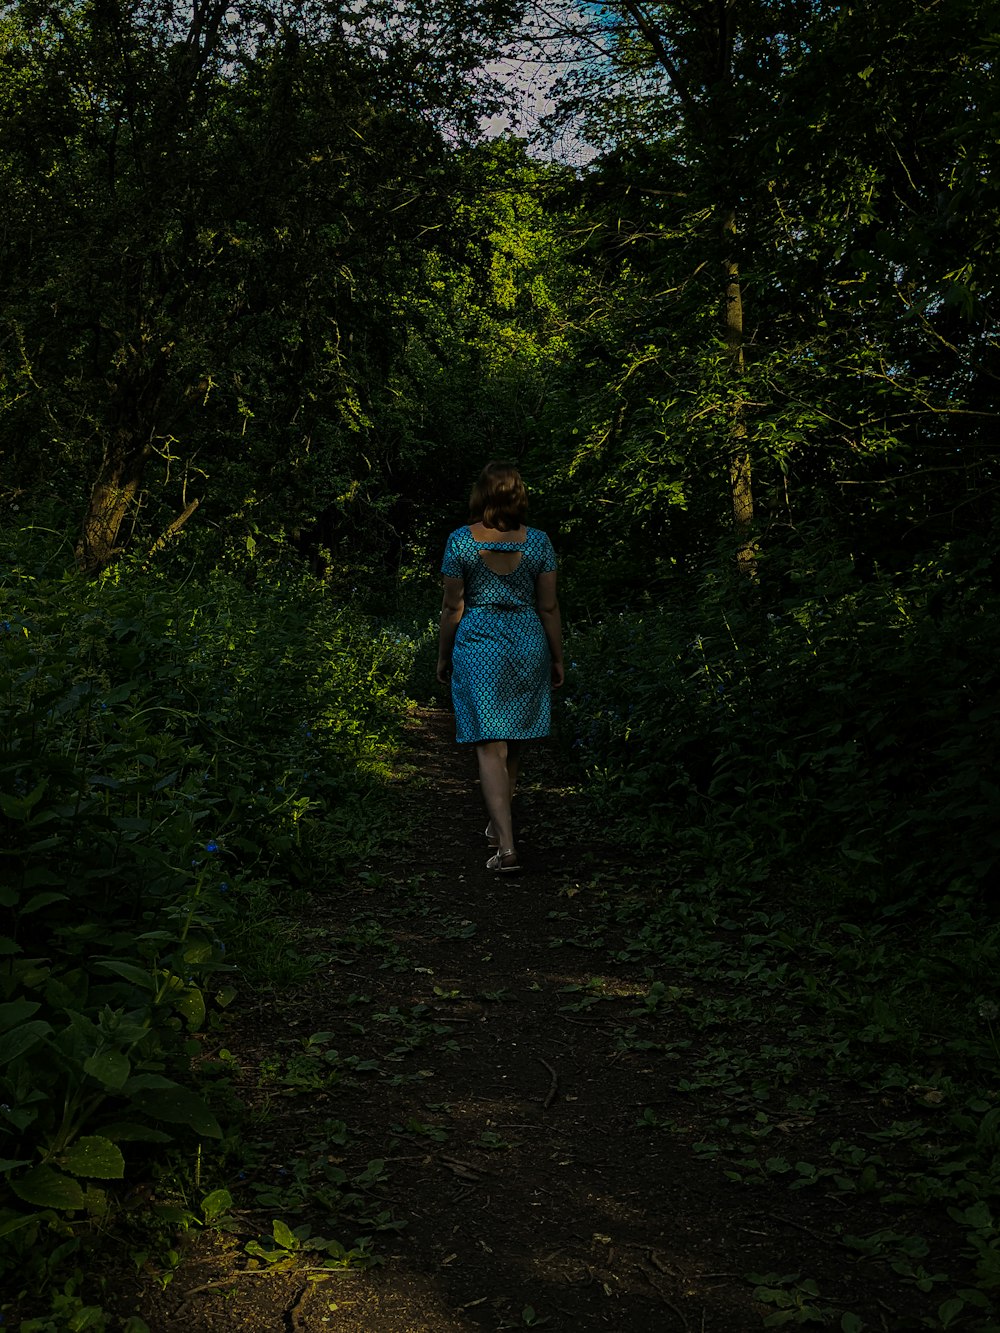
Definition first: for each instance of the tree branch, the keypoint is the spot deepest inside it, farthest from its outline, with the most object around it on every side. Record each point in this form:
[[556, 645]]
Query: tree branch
[[174, 528], [656, 43]]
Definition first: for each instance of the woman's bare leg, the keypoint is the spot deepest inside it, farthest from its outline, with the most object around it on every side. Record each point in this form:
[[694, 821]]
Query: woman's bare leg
[[513, 770], [495, 781], [513, 765]]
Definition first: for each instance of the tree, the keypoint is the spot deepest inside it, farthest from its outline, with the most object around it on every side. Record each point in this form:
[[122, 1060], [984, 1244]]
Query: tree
[[802, 162], [225, 196]]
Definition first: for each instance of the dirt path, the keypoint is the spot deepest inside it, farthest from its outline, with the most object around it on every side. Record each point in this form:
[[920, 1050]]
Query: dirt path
[[453, 1037]]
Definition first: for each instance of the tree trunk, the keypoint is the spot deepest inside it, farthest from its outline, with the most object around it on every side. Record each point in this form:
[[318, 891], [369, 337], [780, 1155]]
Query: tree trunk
[[740, 478], [115, 492]]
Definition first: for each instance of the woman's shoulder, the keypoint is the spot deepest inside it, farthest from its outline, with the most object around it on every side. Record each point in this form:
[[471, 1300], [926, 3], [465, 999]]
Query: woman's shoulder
[[538, 536]]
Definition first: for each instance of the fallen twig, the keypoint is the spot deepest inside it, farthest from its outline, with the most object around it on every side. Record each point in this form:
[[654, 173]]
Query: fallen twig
[[790, 1222], [674, 1309], [471, 1305], [553, 1086], [266, 1272]]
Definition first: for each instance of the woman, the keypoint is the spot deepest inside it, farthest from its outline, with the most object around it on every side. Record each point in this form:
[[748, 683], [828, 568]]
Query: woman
[[501, 641]]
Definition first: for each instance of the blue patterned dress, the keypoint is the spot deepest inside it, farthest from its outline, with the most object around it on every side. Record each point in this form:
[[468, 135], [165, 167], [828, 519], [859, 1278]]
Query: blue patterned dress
[[501, 664]]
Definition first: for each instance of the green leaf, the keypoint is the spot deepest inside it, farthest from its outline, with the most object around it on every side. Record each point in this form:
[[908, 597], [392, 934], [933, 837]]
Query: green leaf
[[9, 1164], [94, 1156], [127, 1131], [948, 1311], [127, 970], [41, 900], [21, 1039], [191, 1006], [111, 1068], [38, 875], [851, 1323], [19, 807], [17, 1011], [46, 1188], [178, 1106], [215, 1204], [7, 945], [16, 1223], [198, 951], [284, 1235], [147, 1083]]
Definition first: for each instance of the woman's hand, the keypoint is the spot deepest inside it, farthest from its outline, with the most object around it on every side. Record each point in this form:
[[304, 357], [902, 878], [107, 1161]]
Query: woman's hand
[[444, 670], [558, 674]]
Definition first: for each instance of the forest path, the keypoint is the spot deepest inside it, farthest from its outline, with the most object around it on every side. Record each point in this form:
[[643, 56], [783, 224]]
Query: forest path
[[506, 1107]]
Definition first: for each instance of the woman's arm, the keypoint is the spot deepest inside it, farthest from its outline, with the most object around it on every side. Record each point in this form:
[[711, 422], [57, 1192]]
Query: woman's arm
[[452, 607], [547, 606]]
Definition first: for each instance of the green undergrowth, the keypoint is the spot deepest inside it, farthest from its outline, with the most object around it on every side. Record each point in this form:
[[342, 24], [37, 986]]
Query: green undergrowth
[[849, 726], [179, 762], [816, 783], [801, 1050]]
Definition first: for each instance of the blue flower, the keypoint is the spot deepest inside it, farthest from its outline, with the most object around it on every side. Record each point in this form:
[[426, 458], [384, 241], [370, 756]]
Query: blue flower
[[211, 845], [223, 887]]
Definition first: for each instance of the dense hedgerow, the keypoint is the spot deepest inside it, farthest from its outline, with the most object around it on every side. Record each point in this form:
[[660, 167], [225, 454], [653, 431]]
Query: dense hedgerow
[[173, 759]]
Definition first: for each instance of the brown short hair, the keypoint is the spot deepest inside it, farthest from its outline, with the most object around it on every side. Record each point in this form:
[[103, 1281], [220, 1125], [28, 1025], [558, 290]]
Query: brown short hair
[[499, 499]]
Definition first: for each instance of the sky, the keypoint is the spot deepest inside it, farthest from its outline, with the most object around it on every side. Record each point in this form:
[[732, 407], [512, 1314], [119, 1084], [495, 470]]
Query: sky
[[531, 73]]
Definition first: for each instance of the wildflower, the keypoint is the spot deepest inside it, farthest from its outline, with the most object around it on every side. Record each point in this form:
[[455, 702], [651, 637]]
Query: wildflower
[[224, 887], [211, 845], [988, 1010]]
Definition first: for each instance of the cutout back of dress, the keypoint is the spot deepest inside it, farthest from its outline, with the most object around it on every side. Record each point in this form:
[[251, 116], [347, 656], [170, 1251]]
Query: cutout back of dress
[[500, 562], [502, 557]]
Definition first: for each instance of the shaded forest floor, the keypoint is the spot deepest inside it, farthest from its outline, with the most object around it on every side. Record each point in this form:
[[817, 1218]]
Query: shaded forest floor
[[485, 1078]]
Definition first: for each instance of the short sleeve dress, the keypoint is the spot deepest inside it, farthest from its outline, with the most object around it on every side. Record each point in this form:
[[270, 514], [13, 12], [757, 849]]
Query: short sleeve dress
[[501, 664]]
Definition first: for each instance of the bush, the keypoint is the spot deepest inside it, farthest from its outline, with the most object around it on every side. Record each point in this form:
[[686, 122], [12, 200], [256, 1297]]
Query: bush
[[165, 752], [854, 729]]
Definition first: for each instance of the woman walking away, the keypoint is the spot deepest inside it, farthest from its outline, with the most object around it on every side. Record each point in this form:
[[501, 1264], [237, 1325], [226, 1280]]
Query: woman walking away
[[501, 642]]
